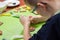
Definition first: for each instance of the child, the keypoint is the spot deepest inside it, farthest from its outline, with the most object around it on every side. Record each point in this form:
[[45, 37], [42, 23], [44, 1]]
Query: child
[[41, 9], [48, 9]]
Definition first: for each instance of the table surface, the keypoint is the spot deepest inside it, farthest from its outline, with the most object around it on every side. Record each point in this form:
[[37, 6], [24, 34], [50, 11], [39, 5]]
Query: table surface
[[12, 26]]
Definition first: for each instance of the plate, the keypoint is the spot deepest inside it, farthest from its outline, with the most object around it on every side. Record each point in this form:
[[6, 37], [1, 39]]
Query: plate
[[13, 3]]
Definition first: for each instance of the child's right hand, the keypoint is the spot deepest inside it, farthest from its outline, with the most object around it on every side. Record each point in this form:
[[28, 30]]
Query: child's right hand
[[24, 20]]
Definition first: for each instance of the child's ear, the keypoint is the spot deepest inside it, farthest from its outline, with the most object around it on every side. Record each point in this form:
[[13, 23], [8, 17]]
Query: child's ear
[[42, 5]]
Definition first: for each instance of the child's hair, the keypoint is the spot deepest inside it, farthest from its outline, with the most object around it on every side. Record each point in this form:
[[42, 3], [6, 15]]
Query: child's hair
[[31, 2]]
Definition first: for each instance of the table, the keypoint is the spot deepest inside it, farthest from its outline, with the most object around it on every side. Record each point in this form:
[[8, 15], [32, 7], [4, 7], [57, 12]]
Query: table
[[12, 26]]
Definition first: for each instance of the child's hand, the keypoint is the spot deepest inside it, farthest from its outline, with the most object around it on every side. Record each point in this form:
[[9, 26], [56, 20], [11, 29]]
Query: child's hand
[[35, 19], [25, 20]]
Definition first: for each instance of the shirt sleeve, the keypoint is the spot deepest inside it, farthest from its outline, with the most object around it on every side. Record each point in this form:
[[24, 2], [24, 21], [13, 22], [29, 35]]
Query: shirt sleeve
[[48, 30]]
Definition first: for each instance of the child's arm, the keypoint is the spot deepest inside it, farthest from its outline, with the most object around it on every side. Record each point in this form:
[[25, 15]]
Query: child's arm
[[26, 23]]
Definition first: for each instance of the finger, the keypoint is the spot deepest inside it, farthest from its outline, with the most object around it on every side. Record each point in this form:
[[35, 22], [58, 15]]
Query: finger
[[31, 17], [22, 16]]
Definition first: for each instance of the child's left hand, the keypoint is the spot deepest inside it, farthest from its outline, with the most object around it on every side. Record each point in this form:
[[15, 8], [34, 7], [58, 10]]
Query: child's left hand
[[35, 19]]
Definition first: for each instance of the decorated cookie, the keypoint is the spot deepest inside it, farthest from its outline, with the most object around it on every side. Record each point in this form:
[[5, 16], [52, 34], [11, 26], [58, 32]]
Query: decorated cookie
[[0, 32]]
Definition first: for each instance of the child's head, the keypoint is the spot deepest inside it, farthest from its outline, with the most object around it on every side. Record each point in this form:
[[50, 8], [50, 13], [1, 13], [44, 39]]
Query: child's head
[[44, 6]]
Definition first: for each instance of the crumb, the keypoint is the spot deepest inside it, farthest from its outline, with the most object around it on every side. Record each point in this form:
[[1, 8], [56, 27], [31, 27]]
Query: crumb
[[24, 7], [35, 13], [0, 32], [28, 8], [17, 9], [22, 11], [32, 29]]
